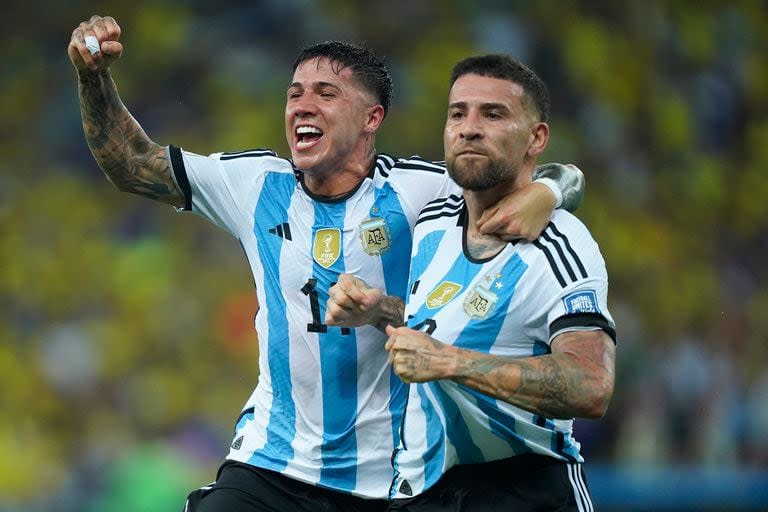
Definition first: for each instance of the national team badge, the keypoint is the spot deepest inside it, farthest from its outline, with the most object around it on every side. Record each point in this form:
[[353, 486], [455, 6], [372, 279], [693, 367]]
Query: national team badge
[[327, 246], [479, 302], [375, 236], [443, 294]]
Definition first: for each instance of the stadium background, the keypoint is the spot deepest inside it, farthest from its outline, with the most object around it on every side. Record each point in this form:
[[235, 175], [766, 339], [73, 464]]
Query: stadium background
[[126, 342]]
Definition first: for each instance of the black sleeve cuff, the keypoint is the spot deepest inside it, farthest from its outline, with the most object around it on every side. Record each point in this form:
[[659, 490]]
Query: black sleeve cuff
[[180, 173], [583, 320]]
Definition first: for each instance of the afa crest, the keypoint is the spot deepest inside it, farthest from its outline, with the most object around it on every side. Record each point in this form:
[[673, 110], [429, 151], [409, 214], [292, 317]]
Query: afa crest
[[375, 236], [443, 294], [327, 246], [479, 303]]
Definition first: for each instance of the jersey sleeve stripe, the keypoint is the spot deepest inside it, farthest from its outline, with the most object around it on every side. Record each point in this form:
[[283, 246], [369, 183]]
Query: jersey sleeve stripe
[[438, 215], [560, 253], [569, 249], [552, 263], [180, 173], [440, 206], [247, 154], [582, 320], [420, 166]]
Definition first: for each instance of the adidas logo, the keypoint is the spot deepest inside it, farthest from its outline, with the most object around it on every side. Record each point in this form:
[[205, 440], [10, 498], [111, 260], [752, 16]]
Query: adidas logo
[[405, 488], [282, 230], [238, 443]]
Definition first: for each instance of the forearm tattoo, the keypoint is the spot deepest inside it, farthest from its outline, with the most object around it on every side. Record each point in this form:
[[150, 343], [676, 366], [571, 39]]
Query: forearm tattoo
[[542, 385], [121, 148]]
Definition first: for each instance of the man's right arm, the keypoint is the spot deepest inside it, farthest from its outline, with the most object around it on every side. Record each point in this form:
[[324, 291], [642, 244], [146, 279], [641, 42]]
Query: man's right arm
[[130, 159]]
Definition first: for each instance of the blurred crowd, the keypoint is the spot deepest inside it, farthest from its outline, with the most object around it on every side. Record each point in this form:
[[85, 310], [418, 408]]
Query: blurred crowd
[[126, 339]]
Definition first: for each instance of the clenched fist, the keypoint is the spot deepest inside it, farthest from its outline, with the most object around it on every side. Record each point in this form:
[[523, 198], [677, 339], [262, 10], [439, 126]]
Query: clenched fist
[[106, 48]]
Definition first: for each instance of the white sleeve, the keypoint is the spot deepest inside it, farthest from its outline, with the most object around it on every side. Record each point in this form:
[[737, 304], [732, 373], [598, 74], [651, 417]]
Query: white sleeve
[[215, 189], [568, 282], [418, 182]]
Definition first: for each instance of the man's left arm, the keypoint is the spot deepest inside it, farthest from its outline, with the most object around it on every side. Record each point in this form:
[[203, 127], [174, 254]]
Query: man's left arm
[[575, 380], [525, 213]]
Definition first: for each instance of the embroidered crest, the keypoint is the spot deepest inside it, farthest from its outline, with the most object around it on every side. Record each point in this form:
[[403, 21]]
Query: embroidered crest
[[479, 302], [442, 294], [327, 246], [375, 236]]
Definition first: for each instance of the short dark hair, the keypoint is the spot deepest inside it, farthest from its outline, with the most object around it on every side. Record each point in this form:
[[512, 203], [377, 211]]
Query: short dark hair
[[366, 67], [507, 68]]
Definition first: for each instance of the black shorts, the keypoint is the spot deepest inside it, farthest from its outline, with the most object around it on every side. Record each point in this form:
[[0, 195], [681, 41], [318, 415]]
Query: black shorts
[[241, 487], [521, 483]]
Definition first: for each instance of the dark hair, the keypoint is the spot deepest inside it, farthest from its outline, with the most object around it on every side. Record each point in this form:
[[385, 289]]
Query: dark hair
[[366, 67], [507, 68]]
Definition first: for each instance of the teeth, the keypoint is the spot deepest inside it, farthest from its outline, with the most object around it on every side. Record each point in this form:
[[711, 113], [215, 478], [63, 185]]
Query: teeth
[[307, 129]]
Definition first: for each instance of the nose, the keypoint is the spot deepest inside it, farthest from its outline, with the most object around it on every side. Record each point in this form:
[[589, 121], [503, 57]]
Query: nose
[[304, 108], [470, 128]]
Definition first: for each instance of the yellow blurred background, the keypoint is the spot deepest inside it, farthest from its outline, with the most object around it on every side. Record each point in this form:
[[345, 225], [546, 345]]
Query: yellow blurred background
[[126, 346]]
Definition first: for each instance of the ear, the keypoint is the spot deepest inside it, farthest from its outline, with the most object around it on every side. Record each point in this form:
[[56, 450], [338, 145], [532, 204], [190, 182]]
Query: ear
[[374, 119], [539, 139]]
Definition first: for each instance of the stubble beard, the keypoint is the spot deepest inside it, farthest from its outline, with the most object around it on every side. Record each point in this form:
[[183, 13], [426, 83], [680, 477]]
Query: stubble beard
[[476, 177]]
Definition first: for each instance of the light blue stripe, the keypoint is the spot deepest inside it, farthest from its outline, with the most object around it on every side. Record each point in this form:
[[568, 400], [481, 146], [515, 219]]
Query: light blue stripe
[[424, 254], [395, 260], [271, 210], [434, 455], [481, 334], [395, 263], [338, 368], [461, 271], [456, 428]]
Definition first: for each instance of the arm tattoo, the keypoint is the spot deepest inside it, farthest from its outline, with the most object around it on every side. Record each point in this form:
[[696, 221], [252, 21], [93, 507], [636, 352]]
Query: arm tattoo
[[129, 158], [541, 385]]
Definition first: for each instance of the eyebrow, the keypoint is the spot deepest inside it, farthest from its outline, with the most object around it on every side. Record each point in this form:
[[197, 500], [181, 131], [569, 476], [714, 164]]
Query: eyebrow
[[316, 85], [483, 106]]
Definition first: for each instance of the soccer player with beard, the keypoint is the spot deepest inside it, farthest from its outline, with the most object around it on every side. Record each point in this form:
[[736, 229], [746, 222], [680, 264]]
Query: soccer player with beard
[[506, 342]]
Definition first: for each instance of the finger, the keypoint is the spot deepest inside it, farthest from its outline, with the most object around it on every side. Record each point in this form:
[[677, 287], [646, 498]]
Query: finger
[[112, 48], [492, 224], [78, 40], [357, 296], [112, 28], [487, 214], [340, 297], [389, 330]]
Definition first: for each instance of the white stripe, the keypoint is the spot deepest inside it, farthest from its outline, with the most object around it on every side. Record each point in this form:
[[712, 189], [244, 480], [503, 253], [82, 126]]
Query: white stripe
[[576, 489], [580, 480], [583, 500]]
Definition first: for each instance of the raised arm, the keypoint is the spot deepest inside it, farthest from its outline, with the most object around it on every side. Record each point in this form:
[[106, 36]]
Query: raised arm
[[130, 159], [575, 380], [525, 213]]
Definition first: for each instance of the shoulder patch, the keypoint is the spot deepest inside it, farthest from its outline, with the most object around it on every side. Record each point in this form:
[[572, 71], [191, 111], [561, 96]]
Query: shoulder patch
[[583, 301]]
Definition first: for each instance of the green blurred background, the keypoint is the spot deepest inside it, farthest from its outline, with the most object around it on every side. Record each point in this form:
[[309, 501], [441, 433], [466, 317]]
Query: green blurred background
[[126, 346]]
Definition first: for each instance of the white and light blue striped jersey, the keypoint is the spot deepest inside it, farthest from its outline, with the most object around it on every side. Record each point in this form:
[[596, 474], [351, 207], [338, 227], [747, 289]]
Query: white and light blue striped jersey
[[513, 304], [327, 407]]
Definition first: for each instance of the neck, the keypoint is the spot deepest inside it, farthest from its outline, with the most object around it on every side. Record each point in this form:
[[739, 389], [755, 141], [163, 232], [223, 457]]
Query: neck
[[334, 182]]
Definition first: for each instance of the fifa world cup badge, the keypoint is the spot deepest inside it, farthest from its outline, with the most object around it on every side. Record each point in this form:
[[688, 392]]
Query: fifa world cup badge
[[327, 246], [442, 294], [479, 302], [375, 236]]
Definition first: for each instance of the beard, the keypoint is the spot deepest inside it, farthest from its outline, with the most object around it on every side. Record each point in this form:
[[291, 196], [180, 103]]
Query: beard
[[476, 176]]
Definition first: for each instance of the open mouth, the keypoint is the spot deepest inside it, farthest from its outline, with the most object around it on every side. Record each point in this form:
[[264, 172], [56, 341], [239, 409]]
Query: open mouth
[[307, 136]]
